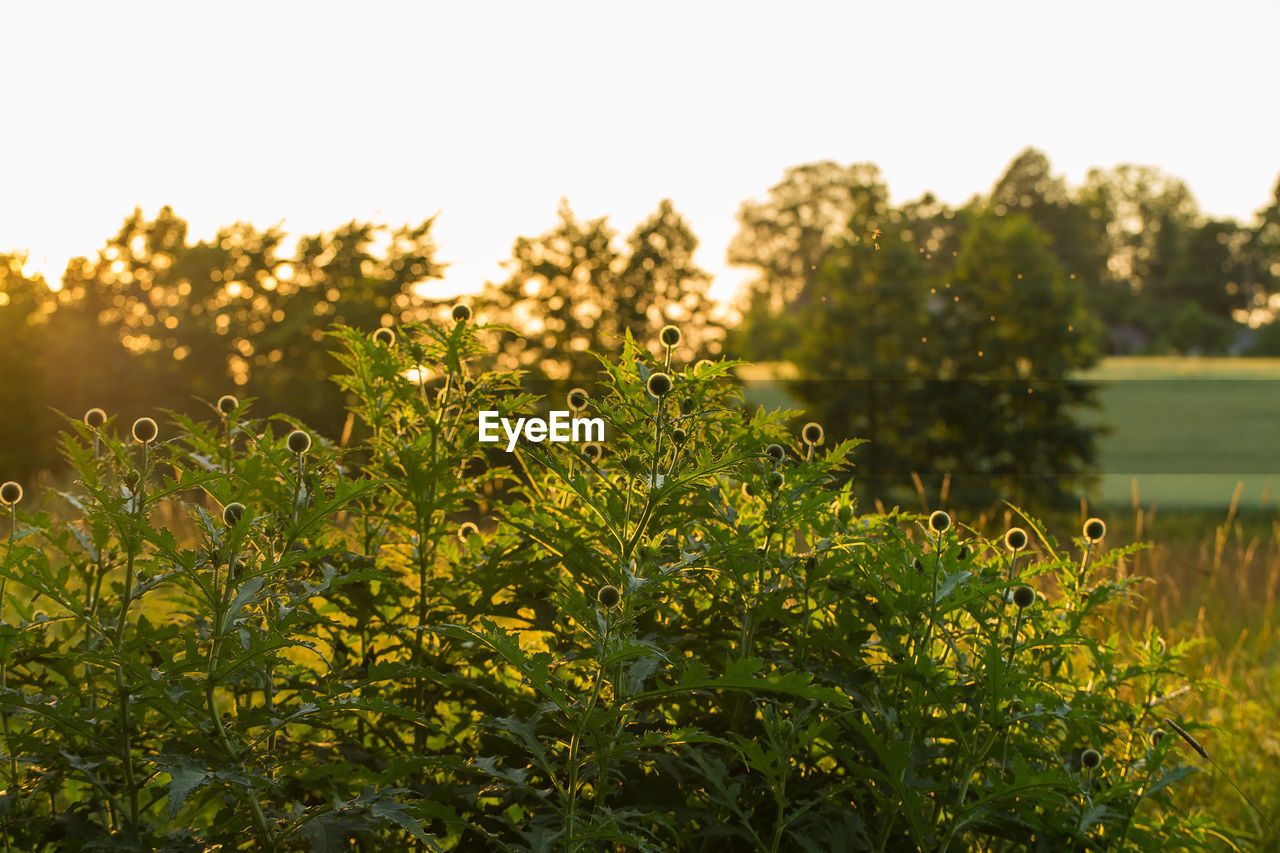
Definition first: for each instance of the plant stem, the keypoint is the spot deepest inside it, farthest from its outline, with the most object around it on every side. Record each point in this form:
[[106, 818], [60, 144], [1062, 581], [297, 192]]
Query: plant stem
[[122, 690]]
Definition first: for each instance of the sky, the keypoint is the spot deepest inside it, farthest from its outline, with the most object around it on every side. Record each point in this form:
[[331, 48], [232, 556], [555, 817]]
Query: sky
[[309, 115]]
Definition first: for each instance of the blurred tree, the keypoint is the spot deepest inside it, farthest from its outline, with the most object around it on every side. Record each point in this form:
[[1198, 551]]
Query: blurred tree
[[860, 360], [1011, 331], [25, 423], [660, 284], [571, 293], [184, 320], [787, 237], [935, 371]]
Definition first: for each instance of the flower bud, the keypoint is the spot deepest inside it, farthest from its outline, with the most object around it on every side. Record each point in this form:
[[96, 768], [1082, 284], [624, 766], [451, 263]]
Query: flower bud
[[1094, 529], [385, 336], [1015, 539], [95, 418], [1090, 759], [227, 404], [1023, 597], [232, 513], [670, 336], [466, 530], [939, 521], [774, 480], [844, 513], [10, 493], [609, 596], [299, 441], [577, 399], [659, 385], [679, 436], [812, 433], [461, 312], [145, 430], [686, 406], [593, 451], [774, 452]]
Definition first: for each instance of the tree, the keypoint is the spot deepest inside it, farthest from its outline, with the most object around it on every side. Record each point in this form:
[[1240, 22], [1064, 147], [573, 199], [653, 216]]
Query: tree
[[935, 371], [571, 293], [177, 320], [786, 239], [25, 424]]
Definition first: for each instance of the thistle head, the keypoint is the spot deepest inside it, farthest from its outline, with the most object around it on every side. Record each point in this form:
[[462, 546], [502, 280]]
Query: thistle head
[[593, 451], [659, 385], [227, 404], [577, 399], [774, 452], [10, 493], [774, 480], [466, 530], [1024, 597], [95, 418], [462, 312], [1016, 539], [670, 336], [1090, 758], [232, 513], [145, 430], [812, 433], [385, 337], [1094, 529], [679, 436], [686, 406], [939, 522], [609, 596], [299, 441]]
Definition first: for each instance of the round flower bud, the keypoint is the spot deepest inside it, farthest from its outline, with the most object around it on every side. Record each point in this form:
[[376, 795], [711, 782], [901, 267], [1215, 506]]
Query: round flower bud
[[812, 433], [1157, 736], [748, 490], [609, 596], [1015, 539], [95, 418], [461, 312], [227, 404], [1023, 597], [592, 450], [467, 529], [670, 336], [1090, 759], [10, 493], [686, 406], [1094, 529], [679, 436], [145, 430], [131, 479], [577, 399], [844, 513], [774, 480], [774, 452], [299, 441], [939, 521], [385, 336], [659, 385], [232, 513]]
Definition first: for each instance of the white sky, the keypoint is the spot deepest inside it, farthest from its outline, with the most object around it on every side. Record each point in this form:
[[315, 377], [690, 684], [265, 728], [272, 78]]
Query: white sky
[[312, 114]]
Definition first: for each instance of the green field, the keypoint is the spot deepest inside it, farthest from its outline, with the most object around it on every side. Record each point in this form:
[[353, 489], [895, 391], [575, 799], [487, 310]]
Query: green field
[[1188, 430], [1185, 430]]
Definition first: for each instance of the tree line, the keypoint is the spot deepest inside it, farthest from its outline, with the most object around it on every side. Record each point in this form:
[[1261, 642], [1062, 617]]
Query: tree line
[[948, 336]]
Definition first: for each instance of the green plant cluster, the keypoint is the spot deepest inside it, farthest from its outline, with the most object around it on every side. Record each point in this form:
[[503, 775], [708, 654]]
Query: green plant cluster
[[231, 634]]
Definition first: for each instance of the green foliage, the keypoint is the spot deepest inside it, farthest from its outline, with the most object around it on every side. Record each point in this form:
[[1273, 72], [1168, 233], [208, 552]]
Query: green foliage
[[351, 662]]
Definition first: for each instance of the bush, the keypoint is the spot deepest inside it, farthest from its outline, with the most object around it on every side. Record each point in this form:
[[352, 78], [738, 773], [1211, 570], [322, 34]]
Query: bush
[[694, 644]]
